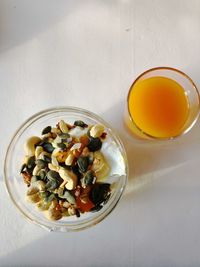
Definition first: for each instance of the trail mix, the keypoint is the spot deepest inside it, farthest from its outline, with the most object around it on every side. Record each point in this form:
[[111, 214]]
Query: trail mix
[[64, 171]]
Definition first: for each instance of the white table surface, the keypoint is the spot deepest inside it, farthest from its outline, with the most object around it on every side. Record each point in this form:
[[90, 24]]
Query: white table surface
[[87, 53]]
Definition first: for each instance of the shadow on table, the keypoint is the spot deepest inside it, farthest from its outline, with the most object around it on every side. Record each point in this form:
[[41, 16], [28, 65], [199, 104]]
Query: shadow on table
[[151, 159], [22, 20]]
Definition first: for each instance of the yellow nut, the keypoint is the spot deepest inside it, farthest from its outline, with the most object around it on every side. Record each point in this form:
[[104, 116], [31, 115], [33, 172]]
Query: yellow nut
[[36, 170], [63, 126], [69, 160], [69, 179], [29, 146], [96, 130], [53, 167], [38, 151], [71, 211]]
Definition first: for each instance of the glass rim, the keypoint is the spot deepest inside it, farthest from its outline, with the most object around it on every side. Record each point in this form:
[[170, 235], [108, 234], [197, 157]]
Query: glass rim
[[76, 226], [193, 86]]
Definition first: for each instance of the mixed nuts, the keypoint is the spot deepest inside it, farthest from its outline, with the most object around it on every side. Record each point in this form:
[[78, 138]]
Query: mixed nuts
[[63, 171]]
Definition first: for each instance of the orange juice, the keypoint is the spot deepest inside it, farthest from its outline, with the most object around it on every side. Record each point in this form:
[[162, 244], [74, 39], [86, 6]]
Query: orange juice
[[158, 106]]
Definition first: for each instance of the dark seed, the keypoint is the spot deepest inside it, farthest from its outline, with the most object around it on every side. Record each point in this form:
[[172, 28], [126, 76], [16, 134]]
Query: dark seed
[[77, 213], [100, 193], [94, 144], [41, 163], [50, 198], [75, 170], [51, 185], [42, 174], [53, 175], [88, 178], [61, 145], [64, 136], [46, 130], [48, 147], [23, 167], [69, 197], [83, 163], [47, 159], [31, 163], [80, 124]]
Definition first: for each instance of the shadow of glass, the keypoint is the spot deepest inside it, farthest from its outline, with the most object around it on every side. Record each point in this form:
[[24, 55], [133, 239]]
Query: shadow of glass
[[151, 159]]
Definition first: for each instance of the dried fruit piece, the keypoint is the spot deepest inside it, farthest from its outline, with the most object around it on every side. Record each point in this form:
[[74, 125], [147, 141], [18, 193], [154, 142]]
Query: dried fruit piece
[[94, 144], [99, 193], [27, 177]]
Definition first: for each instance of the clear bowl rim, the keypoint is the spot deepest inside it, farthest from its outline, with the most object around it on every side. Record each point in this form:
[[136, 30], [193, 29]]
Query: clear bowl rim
[[53, 110]]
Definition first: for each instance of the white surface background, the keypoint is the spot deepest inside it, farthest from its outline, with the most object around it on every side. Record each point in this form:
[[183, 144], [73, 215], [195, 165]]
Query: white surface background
[[87, 53]]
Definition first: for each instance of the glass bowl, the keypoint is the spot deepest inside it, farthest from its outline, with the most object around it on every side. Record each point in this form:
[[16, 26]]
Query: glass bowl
[[112, 148]]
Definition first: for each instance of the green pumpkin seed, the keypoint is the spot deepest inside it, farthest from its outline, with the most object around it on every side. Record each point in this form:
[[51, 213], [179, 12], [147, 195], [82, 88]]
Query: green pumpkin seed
[[94, 144], [83, 163], [80, 124], [23, 167], [46, 130], [88, 178], [61, 145], [31, 162], [64, 136], [41, 163], [48, 147], [51, 185], [53, 175], [42, 174], [50, 198], [47, 159], [69, 197]]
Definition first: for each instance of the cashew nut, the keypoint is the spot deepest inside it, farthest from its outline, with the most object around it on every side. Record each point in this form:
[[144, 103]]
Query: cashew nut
[[53, 167], [38, 151], [97, 130], [69, 179], [54, 161], [36, 170], [69, 160], [29, 146], [44, 153]]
